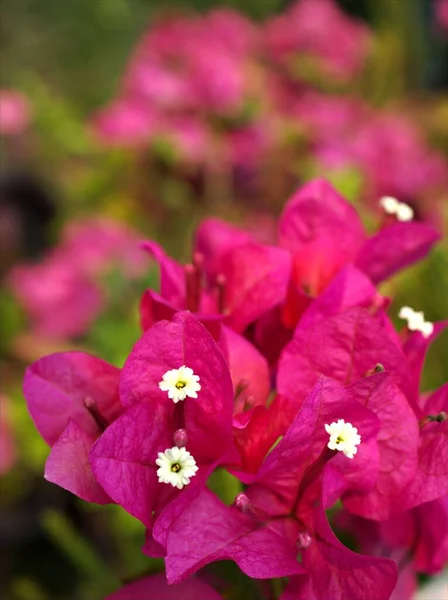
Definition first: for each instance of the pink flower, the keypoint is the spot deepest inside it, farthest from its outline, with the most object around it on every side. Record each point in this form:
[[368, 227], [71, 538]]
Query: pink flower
[[72, 397], [15, 113], [441, 7], [305, 30], [243, 278], [61, 294], [101, 244], [154, 587], [126, 122], [60, 301], [124, 457], [275, 518], [316, 216]]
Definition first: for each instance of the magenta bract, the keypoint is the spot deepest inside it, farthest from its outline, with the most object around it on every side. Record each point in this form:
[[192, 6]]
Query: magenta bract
[[123, 459], [155, 587], [72, 397]]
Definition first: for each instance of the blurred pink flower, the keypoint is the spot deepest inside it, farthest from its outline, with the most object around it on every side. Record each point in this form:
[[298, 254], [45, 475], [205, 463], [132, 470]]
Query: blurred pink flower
[[319, 29], [15, 112], [125, 122], [391, 153], [155, 587], [98, 244], [60, 301], [441, 8], [62, 294]]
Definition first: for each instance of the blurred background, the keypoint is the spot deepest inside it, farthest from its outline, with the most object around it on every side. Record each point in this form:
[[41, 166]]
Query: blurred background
[[129, 119]]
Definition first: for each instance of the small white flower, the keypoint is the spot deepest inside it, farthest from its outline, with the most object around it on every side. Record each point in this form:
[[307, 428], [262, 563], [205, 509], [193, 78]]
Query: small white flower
[[427, 329], [416, 321], [176, 466], [403, 212], [389, 205], [343, 437], [180, 383], [405, 312]]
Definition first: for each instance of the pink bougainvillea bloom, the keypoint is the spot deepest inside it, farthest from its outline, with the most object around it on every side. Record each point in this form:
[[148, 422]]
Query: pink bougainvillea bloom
[[72, 397], [155, 587], [304, 30], [61, 294], [423, 531], [386, 149], [60, 301], [256, 431], [243, 282], [248, 368], [315, 216], [98, 245], [124, 458], [233, 29], [15, 112], [441, 7], [276, 518], [125, 122], [355, 341], [333, 571], [415, 348], [431, 478]]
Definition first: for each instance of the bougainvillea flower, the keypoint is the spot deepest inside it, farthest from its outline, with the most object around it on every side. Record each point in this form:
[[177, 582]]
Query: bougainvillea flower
[[61, 294], [248, 368], [72, 397], [267, 527], [124, 458], [416, 346], [244, 282], [155, 587], [395, 247], [317, 214], [60, 301], [398, 452], [255, 432], [350, 288], [355, 341], [430, 480], [423, 531], [304, 30], [99, 244], [15, 112], [334, 571], [441, 7]]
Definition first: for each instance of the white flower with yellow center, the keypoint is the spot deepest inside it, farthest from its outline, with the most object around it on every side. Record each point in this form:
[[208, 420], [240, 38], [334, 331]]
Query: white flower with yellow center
[[180, 383], [176, 466], [343, 437], [403, 212], [416, 321]]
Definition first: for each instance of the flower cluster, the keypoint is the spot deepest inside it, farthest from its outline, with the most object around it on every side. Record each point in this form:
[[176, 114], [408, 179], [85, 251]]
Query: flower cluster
[[280, 365], [61, 294], [248, 100]]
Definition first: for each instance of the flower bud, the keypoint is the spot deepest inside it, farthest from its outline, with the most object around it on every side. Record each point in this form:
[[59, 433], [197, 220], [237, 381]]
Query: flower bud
[[93, 409], [243, 504], [180, 438], [304, 540]]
